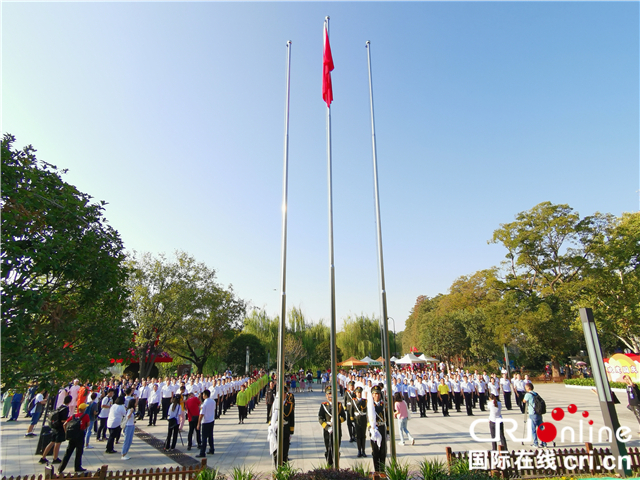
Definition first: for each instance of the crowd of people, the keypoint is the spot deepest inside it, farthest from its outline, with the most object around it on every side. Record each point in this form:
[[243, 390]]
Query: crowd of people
[[110, 408]]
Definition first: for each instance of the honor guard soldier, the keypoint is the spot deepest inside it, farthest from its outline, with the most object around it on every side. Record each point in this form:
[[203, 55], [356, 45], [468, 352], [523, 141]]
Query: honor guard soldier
[[349, 395], [379, 426], [325, 419], [359, 419], [287, 409]]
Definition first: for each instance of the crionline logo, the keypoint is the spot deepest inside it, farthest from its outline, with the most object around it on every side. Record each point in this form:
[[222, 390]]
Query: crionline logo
[[547, 432]]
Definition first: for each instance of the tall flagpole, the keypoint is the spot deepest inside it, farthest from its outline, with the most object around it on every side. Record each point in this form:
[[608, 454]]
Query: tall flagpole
[[383, 292], [283, 272], [334, 379]]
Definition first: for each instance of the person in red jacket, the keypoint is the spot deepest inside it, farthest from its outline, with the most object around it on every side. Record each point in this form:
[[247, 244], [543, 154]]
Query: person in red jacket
[[193, 412]]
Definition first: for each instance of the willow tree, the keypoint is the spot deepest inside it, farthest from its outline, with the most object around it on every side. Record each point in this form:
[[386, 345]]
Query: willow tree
[[360, 336]]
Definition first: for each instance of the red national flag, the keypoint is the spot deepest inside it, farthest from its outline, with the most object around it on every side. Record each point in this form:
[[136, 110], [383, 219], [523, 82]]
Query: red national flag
[[327, 66]]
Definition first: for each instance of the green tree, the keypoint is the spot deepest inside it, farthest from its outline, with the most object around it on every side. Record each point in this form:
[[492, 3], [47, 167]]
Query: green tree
[[322, 355], [63, 276], [549, 251], [360, 336], [178, 305], [237, 352]]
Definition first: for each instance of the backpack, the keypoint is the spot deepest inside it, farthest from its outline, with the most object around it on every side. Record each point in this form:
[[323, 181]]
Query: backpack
[[56, 418], [74, 430], [539, 407]]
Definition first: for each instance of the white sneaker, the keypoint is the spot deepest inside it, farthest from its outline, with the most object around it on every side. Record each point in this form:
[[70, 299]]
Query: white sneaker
[[88, 447], [125, 458], [413, 441]]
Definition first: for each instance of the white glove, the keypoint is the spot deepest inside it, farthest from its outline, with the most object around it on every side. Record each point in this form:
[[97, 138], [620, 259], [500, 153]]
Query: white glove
[[376, 436], [329, 430]]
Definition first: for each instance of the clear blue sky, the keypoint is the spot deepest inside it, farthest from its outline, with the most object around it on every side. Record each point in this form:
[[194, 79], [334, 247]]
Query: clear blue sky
[[174, 114]]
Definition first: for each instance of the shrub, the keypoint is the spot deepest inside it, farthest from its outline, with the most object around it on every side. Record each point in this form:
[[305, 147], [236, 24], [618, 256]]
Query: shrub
[[285, 472], [590, 382], [432, 470], [330, 474], [243, 473], [397, 470]]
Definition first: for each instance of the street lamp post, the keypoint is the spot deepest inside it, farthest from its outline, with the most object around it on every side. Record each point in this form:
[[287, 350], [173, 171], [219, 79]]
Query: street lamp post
[[395, 347]]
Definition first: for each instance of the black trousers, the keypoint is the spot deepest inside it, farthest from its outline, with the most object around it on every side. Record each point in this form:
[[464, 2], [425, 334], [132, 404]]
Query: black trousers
[[519, 400], [142, 406], [457, 399], [269, 407], [427, 400], [503, 440], [361, 432], [242, 413], [328, 446], [422, 405], [468, 402], [172, 432], [379, 454], [102, 428], [414, 402], [351, 428], [286, 441], [153, 413], [507, 400], [207, 436], [483, 400], [166, 402], [445, 405], [78, 446], [192, 428], [434, 401], [114, 434]]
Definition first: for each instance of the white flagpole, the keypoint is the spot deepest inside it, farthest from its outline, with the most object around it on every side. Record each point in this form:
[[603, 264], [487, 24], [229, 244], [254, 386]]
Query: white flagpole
[[283, 272], [383, 292], [334, 379]]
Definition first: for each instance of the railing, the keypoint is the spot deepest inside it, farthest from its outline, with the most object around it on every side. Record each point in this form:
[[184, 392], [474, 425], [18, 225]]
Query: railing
[[171, 473], [545, 462]]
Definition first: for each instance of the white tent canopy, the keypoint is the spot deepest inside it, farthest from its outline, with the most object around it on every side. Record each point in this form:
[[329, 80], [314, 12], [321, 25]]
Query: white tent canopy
[[428, 359], [410, 358], [371, 361], [393, 359]]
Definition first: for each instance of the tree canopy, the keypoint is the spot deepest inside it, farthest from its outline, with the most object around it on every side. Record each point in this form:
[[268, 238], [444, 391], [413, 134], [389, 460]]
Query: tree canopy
[[63, 276]]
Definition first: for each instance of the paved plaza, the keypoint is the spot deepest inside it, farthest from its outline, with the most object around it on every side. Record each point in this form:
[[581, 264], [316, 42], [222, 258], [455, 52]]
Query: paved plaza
[[246, 444]]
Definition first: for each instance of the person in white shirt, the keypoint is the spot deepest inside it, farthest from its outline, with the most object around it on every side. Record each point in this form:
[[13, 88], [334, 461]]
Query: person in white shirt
[[116, 412], [174, 419], [495, 417], [205, 424], [154, 402], [167, 393], [143, 396], [129, 429], [505, 385], [420, 392]]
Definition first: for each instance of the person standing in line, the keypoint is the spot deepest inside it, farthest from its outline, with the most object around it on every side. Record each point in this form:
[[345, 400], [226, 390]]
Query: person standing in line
[[348, 405], [467, 389], [38, 407], [481, 387], [174, 420], [534, 418], [633, 395], [116, 412], [143, 396], [75, 428], [154, 405], [402, 414], [519, 391], [360, 420], [413, 397], [105, 406], [205, 423], [193, 412], [241, 402], [495, 417], [287, 409], [58, 420], [326, 420], [129, 429], [270, 398], [379, 426], [443, 397], [505, 385], [433, 390], [166, 393], [420, 392]]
